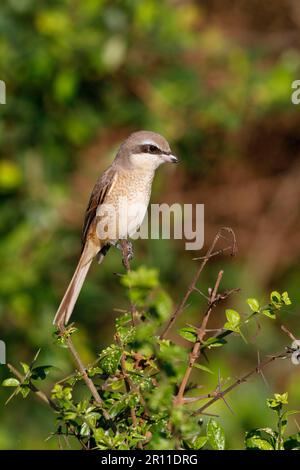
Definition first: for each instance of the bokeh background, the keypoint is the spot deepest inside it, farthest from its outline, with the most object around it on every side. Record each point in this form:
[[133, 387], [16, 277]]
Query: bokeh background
[[214, 77]]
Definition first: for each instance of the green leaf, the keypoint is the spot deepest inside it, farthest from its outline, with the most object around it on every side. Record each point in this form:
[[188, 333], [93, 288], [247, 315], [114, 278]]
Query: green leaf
[[199, 442], [11, 382], [123, 320], [285, 298], [292, 442], [110, 359], [253, 304], [278, 400], [24, 390], [85, 430], [162, 304], [202, 367], [230, 327], [258, 444], [268, 312], [25, 367], [40, 373], [275, 298], [261, 439], [214, 343], [142, 277], [189, 334], [118, 408], [233, 317], [127, 334], [215, 434]]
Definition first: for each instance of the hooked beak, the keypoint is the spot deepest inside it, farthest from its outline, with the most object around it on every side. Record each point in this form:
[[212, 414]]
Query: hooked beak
[[169, 158]]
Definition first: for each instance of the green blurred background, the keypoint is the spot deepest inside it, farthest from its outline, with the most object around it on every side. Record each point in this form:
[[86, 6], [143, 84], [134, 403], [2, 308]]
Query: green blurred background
[[215, 78]]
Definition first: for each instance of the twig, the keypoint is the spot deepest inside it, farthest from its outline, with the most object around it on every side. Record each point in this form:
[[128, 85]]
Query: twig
[[218, 394], [215, 253], [82, 370], [128, 383], [201, 332], [288, 332], [129, 386], [74, 374], [192, 285], [41, 395], [125, 246]]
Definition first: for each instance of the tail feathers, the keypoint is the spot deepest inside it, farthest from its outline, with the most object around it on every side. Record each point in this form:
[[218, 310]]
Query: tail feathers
[[68, 302]]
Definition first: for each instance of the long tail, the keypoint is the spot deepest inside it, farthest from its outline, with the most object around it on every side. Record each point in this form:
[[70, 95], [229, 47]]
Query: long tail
[[68, 302]]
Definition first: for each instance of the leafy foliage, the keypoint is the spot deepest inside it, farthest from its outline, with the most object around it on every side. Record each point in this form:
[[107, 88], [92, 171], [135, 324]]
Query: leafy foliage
[[137, 377], [269, 439]]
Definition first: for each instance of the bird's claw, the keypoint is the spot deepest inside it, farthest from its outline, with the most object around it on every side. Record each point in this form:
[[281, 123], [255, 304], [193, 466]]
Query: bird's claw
[[127, 252]]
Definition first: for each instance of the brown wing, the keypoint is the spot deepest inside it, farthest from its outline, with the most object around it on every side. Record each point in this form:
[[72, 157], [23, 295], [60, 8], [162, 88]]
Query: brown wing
[[99, 192]]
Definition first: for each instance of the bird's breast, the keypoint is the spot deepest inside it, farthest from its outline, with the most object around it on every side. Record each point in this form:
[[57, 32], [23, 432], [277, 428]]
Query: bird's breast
[[125, 205]]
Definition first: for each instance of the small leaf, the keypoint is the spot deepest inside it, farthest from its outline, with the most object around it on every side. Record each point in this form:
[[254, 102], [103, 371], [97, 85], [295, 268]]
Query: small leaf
[[230, 327], [25, 367], [189, 334], [199, 442], [127, 334], [85, 430], [142, 277], [24, 391], [258, 444], [278, 400], [285, 298], [233, 317], [215, 434], [275, 299], [110, 359], [261, 439], [253, 304], [268, 312], [214, 343], [11, 382], [292, 442], [40, 373], [202, 367]]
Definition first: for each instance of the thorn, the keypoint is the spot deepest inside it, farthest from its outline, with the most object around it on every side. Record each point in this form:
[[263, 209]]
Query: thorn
[[201, 293], [227, 404], [260, 372], [209, 414]]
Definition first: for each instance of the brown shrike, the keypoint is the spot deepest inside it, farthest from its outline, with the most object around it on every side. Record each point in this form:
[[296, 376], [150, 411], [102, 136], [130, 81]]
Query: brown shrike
[[117, 206]]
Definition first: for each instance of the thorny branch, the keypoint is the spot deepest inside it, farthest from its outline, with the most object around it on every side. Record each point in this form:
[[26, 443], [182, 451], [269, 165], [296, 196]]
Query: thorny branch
[[192, 287], [129, 386], [41, 395], [201, 332], [127, 253], [219, 394], [83, 372]]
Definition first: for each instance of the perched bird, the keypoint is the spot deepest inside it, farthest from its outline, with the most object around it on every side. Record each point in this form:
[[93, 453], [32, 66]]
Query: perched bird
[[117, 206]]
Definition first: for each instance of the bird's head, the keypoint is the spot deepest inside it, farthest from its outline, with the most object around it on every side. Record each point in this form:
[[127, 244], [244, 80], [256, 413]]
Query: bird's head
[[145, 150]]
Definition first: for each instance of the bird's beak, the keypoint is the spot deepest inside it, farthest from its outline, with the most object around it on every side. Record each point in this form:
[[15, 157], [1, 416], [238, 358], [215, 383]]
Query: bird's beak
[[169, 158]]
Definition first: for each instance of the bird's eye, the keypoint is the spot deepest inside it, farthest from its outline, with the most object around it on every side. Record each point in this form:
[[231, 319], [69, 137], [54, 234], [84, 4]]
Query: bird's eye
[[153, 149]]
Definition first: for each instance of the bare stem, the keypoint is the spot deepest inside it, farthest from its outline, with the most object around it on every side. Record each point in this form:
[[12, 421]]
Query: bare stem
[[192, 286], [82, 370], [125, 245], [218, 394], [129, 386], [201, 332]]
